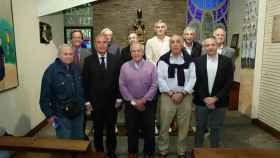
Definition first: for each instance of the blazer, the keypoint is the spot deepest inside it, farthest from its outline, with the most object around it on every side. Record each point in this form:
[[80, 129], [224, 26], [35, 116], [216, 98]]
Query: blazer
[[83, 54], [100, 84], [196, 50], [222, 84], [230, 53]]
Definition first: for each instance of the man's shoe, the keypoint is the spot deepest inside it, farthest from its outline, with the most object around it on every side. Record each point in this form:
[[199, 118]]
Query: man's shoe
[[182, 156], [111, 155], [162, 155]]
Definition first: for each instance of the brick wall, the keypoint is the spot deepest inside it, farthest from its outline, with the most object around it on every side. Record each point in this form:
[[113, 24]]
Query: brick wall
[[120, 15]]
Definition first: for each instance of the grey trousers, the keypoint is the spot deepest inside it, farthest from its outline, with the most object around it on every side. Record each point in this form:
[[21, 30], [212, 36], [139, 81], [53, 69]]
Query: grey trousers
[[214, 118]]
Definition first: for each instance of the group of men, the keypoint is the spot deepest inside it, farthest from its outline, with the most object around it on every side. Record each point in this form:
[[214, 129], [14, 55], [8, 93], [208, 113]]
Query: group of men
[[170, 74]]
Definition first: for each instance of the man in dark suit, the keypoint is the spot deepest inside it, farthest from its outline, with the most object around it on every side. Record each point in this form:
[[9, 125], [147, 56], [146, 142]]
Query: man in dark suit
[[193, 48], [214, 78], [100, 76]]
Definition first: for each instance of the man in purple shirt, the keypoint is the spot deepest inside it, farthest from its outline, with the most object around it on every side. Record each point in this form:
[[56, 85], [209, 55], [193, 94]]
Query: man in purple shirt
[[138, 86]]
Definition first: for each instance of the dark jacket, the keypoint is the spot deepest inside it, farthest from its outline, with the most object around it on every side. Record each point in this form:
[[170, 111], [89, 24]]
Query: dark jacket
[[222, 83], [196, 50], [101, 84], [59, 85]]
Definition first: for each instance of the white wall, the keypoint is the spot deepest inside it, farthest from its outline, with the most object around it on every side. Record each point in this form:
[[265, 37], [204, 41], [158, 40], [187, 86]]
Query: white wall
[[235, 15], [19, 108], [46, 7]]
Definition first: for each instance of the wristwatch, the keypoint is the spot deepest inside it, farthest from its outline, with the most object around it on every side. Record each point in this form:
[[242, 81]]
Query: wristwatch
[[132, 103]]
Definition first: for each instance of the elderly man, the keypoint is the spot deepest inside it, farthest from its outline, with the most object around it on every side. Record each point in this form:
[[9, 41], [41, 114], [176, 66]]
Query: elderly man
[[192, 47], [113, 47], [219, 34], [125, 54], [159, 44], [61, 97], [214, 78], [176, 76], [79, 53], [100, 76], [138, 86]]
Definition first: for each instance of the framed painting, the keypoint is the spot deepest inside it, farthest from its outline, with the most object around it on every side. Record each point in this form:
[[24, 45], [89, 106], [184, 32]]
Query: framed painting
[[8, 63], [87, 36]]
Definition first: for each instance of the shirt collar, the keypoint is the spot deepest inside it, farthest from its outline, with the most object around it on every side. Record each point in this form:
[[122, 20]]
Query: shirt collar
[[185, 45], [99, 55], [139, 65], [181, 55], [213, 58]]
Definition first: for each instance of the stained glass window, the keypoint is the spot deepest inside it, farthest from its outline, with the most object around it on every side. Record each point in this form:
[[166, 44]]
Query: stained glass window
[[204, 15]]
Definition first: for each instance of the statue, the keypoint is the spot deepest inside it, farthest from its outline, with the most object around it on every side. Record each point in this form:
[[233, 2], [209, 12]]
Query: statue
[[139, 27]]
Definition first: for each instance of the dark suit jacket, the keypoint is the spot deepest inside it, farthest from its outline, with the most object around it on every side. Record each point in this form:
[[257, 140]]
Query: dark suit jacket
[[196, 50], [222, 83], [101, 85], [83, 54]]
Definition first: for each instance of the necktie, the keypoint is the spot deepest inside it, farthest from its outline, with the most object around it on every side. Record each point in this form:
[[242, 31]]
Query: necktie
[[103, 62], [77, 57]]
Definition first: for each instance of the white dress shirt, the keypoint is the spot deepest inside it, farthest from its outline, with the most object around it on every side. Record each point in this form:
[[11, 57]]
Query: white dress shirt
[[156, 47], [105, 58], [171, 84], [212, 66]]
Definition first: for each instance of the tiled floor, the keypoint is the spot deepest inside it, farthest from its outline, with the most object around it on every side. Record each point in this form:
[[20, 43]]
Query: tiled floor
[[238, 133]]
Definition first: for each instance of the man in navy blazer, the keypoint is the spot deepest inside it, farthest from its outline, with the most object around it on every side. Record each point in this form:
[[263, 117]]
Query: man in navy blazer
[[214, 78]]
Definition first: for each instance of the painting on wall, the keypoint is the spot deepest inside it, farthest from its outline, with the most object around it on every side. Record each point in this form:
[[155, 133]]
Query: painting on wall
[[8, 64], [45, 33]]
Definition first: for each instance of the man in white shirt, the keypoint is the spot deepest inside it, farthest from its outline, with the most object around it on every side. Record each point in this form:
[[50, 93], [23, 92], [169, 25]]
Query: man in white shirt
[[176, 77], [159, 44], [214, 74], [154, 49]]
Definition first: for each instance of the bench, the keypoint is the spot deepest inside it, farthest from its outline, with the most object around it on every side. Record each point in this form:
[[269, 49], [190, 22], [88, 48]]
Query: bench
[[57, 146], [236, 153]]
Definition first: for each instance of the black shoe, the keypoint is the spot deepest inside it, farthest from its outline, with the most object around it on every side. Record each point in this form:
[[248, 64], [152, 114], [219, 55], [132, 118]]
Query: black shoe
[[111, 155], [182, 156], [148, 156]]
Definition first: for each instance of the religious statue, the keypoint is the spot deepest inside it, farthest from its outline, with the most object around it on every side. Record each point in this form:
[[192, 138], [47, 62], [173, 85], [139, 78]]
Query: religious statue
[[139, 27]]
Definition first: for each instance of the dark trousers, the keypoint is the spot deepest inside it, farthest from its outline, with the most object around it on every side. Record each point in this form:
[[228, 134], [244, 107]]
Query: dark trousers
[[214, 118], [144, 121], [104, 117]]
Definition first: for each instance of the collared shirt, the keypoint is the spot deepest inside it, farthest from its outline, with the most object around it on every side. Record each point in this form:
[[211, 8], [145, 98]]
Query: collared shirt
[[138, 82], [212, 66], [100, 58], [188, 49], [171, 84], [156, 47]]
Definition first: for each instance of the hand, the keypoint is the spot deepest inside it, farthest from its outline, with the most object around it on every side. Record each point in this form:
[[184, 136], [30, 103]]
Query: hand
[[140, 104], [88, 107], [52, 119], [118, 103], [170, 93], [210, 102], [177, 98]]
